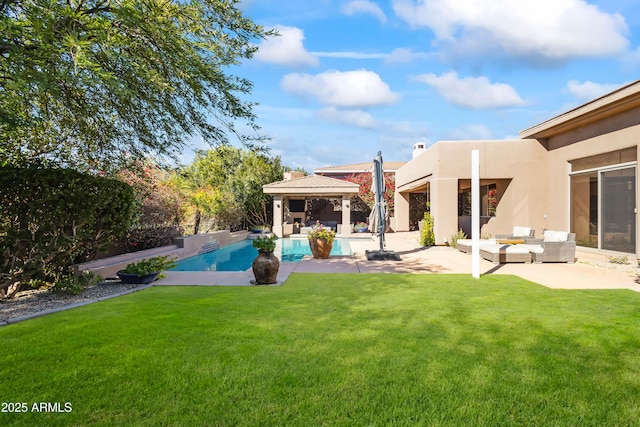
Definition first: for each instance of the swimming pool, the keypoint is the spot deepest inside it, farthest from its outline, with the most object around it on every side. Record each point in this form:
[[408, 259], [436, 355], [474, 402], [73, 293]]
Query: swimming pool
[[239, 256]]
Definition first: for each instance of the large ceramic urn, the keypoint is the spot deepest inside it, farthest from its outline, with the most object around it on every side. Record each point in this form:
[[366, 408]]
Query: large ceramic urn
[[265, 268], [320, 248]]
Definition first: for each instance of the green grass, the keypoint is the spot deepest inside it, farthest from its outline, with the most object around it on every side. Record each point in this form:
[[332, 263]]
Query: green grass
[[323, 349]]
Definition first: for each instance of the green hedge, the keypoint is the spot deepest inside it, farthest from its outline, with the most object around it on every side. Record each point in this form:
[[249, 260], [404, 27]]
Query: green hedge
[[52, 217]]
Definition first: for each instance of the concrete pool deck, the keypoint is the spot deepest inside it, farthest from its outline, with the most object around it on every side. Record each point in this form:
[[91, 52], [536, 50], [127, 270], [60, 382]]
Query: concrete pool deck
[[589, 272]]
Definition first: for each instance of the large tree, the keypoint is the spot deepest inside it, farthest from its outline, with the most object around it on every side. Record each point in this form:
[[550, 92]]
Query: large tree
[[89, 81]]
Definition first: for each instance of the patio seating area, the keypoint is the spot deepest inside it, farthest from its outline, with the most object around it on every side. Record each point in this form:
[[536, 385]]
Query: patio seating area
[[522, 246]]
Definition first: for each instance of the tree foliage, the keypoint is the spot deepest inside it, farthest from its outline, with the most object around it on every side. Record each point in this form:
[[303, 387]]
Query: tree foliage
[[91, 81], [161, 206], [52, 217], [225, 187], [365, 199]]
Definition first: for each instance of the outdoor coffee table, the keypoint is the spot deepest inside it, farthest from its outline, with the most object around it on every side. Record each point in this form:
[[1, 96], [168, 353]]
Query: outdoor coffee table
[[510, 241]]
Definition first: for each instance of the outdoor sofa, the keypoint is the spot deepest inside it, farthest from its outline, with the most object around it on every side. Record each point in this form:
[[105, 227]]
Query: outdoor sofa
[[555, 246], [464, 245], [518, 232]]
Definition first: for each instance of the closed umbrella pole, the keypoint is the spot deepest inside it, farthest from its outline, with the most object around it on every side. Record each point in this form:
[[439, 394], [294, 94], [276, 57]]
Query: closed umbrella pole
[[378, 217], [379, 190]]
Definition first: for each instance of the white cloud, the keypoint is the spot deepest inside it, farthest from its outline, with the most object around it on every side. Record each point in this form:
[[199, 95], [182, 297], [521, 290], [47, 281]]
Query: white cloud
[[357, 118], [472, 92], [538, 30], [403, 56], [354, 89], [363, 6], [286, 49], [589, 90]]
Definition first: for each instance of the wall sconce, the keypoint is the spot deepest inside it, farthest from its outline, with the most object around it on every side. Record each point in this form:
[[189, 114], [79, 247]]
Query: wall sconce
[[278, 205], [346, 205]]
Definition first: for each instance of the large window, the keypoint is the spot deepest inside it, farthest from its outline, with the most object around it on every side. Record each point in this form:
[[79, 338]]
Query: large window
[[488, 200], [603, 201]]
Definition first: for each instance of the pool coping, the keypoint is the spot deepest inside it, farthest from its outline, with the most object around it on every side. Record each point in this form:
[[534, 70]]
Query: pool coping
[[216, 277], [334, 264]]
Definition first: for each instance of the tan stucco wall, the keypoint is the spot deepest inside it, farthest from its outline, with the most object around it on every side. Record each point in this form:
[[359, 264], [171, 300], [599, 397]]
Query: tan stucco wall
[[535, 169], [537, 196], [523, 202]]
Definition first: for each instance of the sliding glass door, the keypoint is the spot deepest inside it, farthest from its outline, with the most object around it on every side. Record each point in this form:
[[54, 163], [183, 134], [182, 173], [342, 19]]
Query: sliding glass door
[[603, 209], [618, 200], [584, 209]]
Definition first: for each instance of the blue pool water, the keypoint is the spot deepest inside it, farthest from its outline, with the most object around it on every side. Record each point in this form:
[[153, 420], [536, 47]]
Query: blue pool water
[[239, 256]]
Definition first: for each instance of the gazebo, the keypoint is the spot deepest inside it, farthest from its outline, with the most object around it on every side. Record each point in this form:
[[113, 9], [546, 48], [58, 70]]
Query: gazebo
[[290, 197]]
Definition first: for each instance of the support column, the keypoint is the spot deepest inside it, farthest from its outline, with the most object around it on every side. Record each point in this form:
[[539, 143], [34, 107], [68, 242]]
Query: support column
[[277, 215], [401, 211], [475, 214], [346, 216]]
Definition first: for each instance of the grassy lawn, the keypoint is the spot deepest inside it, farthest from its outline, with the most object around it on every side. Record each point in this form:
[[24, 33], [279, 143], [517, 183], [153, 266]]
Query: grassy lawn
[[332, 349]]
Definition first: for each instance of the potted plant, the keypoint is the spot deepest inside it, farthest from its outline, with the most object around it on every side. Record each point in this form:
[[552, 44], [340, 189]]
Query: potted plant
[[265, 266], [321, 241], [145, 271], [361, 227]]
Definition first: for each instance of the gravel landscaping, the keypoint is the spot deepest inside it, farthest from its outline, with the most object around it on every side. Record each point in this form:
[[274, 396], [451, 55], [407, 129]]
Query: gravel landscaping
[[31, 302]]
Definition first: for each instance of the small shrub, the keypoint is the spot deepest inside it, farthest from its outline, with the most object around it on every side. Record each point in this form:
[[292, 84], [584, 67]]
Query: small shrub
[[74, 285], [622, 260], [151, 265], [265, 244], [453, 240], [427, 236]]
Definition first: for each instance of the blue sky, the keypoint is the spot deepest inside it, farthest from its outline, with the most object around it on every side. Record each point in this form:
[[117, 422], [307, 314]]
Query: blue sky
[[347, 78]]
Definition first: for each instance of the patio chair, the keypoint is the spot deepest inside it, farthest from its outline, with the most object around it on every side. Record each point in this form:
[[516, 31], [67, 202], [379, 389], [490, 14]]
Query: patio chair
[[556, 246], [518, 232]]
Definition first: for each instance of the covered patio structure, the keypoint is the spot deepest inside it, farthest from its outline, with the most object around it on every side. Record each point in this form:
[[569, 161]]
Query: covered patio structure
[[291, 197]]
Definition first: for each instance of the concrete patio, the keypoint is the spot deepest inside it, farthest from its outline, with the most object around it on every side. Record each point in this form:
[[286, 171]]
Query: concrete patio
[[591, 271]]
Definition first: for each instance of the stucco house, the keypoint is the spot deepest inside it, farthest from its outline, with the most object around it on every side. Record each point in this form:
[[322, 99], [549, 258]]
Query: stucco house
[[574, 172]]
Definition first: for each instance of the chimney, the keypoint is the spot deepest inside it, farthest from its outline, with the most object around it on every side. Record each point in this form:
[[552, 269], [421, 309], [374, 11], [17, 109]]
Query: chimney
[[293, 175], [418, 148]]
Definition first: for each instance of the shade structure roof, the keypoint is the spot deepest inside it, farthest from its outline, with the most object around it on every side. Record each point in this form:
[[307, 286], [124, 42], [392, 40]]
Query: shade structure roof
[[312, 185]]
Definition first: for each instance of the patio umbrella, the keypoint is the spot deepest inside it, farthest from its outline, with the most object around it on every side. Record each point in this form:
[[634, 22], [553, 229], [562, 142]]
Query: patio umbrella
[[377, 219], [373, 220]]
